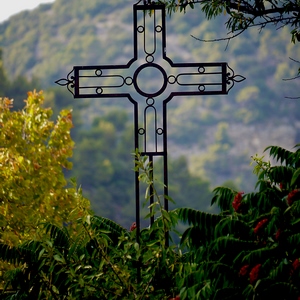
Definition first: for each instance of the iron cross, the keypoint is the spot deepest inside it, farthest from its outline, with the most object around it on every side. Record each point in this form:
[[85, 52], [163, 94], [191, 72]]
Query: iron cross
[[150, 63]]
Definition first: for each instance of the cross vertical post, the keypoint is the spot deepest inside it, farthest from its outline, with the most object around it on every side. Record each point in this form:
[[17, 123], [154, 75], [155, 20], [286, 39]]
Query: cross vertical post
[[169, 80]]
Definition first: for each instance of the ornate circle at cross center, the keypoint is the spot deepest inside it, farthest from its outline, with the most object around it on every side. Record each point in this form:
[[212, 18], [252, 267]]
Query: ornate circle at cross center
[[150, 72]]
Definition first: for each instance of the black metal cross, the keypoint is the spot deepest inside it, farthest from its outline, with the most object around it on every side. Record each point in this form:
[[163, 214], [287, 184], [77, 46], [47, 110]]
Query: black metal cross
[[150, 62]]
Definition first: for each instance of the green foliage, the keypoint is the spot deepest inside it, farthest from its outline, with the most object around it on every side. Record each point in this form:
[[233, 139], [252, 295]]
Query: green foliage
[[250, 250], [88, 266], [34, 154], [202, 227], [254, 240], [95, 258]]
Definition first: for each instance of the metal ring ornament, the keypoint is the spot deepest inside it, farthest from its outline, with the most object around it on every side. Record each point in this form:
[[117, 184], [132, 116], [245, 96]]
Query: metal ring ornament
[[99, 90], [159, 131], [172, 79], [158, 28], [150, 101], [149, 58], [128, 80], [201, 88], [140, 29], [98, 72], [201, 70], [141, 131], [152, 65]]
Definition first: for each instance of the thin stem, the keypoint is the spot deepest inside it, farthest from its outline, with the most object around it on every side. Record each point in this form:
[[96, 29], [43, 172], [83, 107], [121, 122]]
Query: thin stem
[[146, 170], [106, 258]]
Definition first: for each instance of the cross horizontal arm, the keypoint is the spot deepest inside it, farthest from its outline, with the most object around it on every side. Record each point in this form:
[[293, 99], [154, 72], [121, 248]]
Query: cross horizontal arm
[[186, 79]]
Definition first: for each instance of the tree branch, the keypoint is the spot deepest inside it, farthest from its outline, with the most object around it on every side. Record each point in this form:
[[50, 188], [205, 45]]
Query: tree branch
[[254, 10], [219, 39]]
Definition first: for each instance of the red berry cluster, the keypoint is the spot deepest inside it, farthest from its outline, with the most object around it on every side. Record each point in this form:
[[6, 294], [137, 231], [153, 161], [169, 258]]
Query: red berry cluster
[[292, 196], [295, 266], [253, 274], [237, 201], [278, 234], [244, 270], [260, 225], [133, 226]]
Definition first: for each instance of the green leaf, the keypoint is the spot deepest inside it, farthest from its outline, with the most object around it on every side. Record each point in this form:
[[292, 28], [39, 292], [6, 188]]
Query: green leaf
[[136, 247], [88, 219], [59, 258], [166, 215], [295, 176], [258, 255], [41, 253], [223, 197], [55, 290], [170, 199], [199, 218]]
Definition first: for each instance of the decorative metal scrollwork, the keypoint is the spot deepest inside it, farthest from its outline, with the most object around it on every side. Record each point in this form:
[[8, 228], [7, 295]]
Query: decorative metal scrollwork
[[231, 78], [69, 82]]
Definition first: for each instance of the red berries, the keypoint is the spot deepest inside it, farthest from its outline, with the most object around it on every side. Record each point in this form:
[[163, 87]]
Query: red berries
[[244, 270], [133, 226], [260, 225], [254, 273], [295, 266], [278, 234], [292, 196], [237, 201]]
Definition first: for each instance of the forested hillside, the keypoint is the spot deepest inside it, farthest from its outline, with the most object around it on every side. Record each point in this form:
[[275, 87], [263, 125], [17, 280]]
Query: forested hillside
[[211, 138]]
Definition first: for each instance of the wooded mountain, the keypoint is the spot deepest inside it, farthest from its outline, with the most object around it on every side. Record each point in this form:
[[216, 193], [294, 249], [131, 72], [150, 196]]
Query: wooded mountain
[[216, 134]]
